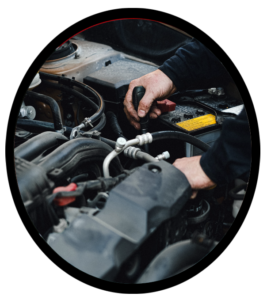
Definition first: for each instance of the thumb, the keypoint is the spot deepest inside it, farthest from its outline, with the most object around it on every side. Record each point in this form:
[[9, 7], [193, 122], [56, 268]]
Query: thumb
[[145, 104]]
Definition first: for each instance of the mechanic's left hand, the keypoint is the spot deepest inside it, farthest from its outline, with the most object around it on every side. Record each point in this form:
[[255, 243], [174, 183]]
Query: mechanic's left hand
[[197, 178]]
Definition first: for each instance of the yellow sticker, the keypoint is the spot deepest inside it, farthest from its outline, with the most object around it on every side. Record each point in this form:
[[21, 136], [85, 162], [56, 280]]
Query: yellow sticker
[[198, 123]]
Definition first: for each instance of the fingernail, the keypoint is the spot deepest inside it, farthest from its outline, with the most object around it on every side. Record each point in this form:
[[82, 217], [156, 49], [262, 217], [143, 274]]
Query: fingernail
[[141, 113]]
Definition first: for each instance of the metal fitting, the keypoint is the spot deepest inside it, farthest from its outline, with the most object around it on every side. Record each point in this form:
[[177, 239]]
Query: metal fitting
[[144, 138], [131, 152], [61, 130], [165, 155], [120, 143], [75, 131], [28, 112], [87, 122]]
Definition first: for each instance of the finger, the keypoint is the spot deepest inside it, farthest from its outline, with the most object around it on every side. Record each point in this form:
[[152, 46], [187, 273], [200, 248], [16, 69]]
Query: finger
[[194, 194], [135, 124], [128, 103], [153, 115], [131, 111], [145, 104], [154, 109]]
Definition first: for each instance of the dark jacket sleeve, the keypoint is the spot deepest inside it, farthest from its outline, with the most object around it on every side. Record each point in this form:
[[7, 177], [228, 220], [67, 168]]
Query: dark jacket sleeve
[[193, 66], [230, 156]]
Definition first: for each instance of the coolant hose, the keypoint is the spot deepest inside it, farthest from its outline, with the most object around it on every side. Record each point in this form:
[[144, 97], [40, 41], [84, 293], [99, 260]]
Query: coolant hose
[[164, 135], [39, 126], [58, 125], [38, 144], [99, 108], [77, 153], [114, 124]]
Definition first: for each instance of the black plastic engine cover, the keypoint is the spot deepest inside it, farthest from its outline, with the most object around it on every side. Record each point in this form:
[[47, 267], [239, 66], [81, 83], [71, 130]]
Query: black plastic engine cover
[[100, 244]]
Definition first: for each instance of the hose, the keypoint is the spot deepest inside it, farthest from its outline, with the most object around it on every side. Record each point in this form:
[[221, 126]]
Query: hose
[[58, 125], [39, 126], [145, 156], [174, 259], [109, 142], [163, 135], [233, 192], [38, 144], [100, 125], [76, 153], [100, 107], [114, 124]]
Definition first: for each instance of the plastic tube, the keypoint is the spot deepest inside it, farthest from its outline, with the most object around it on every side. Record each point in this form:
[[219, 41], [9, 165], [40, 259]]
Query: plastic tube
[[100, 107], [39, 126], [114, 124], [163, 135], [58, 125]]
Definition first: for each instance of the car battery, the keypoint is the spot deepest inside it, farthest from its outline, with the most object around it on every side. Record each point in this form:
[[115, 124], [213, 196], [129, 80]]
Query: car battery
[[201, 116]]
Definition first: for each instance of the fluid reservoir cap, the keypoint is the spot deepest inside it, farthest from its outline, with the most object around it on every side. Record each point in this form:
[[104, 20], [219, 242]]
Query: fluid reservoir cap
[[36, 81]]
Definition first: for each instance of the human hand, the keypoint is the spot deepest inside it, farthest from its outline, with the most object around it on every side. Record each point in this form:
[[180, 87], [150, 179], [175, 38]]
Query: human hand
[[158, 87], [197, 178]]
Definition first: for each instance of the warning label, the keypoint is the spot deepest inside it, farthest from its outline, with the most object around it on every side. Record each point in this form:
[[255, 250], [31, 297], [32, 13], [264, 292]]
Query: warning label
[[198, 123]]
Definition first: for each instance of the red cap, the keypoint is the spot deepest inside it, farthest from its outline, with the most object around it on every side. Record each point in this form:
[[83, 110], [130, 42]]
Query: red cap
[[65, 200], [166, 105]]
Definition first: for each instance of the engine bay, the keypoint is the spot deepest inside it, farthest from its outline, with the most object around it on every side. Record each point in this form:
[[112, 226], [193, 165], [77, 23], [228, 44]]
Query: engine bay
[[105, 196]]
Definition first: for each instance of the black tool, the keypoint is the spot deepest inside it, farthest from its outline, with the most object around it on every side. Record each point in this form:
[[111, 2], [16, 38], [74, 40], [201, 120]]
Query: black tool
[[138, 94]]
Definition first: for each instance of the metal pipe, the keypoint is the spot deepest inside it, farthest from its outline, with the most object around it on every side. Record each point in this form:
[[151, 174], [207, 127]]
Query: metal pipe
[[121, 145]]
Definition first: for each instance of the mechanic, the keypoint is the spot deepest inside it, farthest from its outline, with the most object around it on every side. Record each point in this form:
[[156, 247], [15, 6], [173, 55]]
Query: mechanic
[[194, 66]]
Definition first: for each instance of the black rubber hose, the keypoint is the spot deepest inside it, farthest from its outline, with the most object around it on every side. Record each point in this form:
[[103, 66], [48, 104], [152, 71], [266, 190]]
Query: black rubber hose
[[173, 260], [58, 125], [101, 124], [114, 124], [100, 107], [38, 144], [76, 153], [109, 142], [163, 135], [39, 126]]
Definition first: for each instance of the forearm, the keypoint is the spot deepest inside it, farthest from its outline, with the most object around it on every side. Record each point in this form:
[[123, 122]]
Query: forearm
[[230, 156], [193, 66]]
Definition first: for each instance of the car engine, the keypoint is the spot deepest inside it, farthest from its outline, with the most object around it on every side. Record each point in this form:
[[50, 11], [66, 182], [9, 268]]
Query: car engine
[[105, 196]]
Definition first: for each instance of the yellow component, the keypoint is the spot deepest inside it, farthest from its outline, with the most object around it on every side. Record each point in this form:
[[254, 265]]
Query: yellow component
[[198, 123]]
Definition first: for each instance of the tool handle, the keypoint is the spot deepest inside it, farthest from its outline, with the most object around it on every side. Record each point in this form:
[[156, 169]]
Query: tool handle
[[138, 94]]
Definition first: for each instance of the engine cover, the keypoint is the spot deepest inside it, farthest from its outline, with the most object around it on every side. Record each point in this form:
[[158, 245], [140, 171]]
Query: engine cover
[[99, 244]]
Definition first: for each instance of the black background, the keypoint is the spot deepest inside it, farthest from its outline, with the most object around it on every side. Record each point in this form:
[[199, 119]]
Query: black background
[[31, 259]]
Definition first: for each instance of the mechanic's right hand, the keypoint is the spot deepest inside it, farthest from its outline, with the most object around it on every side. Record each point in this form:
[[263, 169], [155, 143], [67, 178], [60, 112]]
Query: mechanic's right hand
[[158, 87]]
